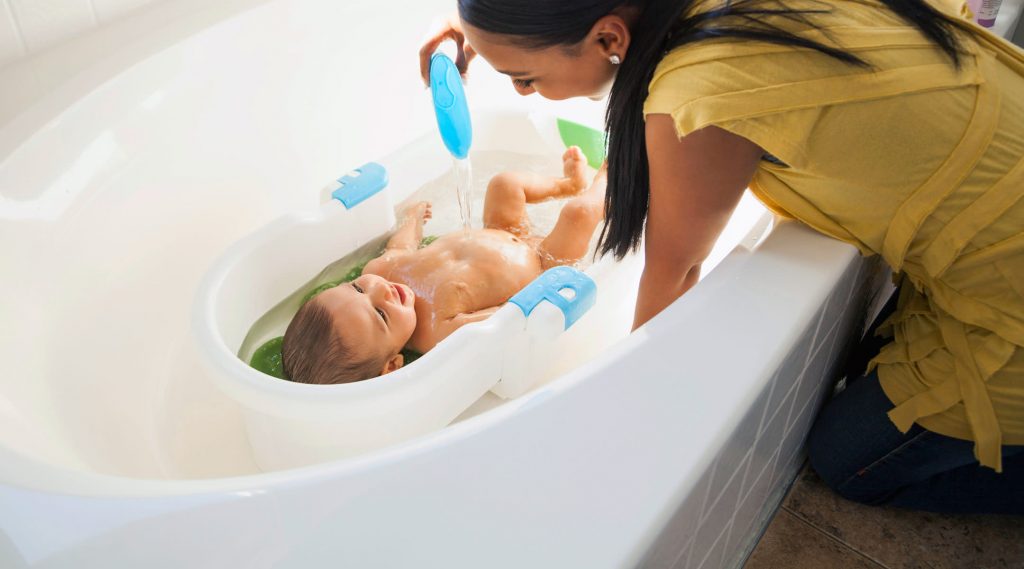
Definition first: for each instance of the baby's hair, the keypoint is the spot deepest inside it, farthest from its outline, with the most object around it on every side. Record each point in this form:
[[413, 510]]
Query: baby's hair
[[313, 352]]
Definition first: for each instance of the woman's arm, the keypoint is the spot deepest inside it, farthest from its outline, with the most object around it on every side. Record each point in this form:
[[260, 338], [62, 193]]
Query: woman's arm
[[696, 183]]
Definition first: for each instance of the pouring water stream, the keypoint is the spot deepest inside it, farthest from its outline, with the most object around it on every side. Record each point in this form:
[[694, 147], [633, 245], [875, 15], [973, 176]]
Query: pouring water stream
[[454, 124]]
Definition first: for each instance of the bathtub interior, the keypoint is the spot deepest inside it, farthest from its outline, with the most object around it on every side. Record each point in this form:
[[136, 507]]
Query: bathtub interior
[[194, 430], [120, 186], [476, 369], [114, 210]]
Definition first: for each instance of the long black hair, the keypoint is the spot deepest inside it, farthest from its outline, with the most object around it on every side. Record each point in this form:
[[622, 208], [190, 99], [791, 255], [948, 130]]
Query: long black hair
[[539, 24]]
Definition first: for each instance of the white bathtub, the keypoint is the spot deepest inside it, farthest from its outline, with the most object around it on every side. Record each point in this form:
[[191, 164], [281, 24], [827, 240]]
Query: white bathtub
[[120, 187]]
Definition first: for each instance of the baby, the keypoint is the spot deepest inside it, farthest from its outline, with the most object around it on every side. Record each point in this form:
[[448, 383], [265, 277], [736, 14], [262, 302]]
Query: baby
[[412, 297]]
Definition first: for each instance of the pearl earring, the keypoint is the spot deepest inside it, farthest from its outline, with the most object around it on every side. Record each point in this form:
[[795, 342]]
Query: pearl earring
[[615, 59]]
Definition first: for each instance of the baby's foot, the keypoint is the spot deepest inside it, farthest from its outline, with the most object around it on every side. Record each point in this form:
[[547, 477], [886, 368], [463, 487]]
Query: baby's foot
[[576, 169]]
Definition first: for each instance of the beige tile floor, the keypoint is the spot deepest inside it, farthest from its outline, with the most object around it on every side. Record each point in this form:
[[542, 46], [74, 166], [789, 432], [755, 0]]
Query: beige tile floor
[[815, 529]]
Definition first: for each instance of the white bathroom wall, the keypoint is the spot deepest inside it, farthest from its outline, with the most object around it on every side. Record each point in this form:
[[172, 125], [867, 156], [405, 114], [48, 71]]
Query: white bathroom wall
[[720, 521], [28, 26], [1008, 19], [37, 87]]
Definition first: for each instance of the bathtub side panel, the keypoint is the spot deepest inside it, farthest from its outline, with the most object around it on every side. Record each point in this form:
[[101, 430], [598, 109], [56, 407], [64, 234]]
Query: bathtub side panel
[[782, 450], [720, 520]]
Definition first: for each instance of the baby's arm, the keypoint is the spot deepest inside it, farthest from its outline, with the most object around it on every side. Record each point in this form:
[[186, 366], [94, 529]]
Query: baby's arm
[[445, 327], [410, 228], [405, 240], [460, 320], [449, 325]]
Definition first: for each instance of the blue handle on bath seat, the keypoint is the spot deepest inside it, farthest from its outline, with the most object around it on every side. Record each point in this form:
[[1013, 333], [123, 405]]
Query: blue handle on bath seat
[[355, 190], [450, 105], [548, 287]]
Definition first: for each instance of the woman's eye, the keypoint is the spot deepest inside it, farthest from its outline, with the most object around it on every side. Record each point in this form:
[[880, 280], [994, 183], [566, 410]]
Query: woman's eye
[[358, 288], [523, 83]]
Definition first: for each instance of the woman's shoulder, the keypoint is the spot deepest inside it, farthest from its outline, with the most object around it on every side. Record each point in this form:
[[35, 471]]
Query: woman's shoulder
[[707, 74], [723, 76]]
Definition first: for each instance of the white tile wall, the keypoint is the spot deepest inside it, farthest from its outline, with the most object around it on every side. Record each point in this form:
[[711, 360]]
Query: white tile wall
[[721, 519], [28, 26]]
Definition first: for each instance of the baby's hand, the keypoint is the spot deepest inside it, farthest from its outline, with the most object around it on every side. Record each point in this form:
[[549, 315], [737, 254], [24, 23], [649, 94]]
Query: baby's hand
[[419, 211]]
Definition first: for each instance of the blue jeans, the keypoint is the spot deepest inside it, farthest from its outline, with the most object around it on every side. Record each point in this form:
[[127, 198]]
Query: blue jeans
[[861, 455]]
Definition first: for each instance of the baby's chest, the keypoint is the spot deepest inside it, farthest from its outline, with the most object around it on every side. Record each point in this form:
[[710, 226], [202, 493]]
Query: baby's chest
[[467, 287]]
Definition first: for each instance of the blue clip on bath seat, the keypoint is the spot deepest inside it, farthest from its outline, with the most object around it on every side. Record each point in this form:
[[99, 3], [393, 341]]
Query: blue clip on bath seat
[[353, 190], [537, 333], [550, 285], [450, 105]]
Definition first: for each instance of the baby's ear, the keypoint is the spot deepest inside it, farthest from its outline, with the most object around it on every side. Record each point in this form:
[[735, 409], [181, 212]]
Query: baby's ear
[[393, 363]]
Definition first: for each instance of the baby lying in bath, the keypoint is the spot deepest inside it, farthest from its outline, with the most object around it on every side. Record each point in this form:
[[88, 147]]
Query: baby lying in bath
[[412, 297]]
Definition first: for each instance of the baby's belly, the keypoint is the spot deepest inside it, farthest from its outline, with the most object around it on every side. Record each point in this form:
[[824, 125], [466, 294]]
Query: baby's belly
[[492, 250], [492, 264]]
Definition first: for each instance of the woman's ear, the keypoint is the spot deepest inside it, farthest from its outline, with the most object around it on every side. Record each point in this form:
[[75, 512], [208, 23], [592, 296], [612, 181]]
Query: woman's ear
[[396, 361], [611, 35]]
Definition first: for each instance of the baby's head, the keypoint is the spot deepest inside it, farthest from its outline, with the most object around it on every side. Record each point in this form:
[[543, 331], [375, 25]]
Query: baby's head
[[350, 332]]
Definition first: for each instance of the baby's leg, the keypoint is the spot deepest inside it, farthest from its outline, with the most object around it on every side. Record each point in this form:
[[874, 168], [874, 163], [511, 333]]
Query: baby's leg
[[509, 192], [570, 239]]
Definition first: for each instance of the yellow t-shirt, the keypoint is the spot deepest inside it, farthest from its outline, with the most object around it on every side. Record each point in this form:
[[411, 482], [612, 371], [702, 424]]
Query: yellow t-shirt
[[910, 159]]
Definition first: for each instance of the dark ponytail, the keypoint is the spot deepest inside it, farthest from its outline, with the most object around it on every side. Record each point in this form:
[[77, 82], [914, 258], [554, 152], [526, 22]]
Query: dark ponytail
[[660, 28]]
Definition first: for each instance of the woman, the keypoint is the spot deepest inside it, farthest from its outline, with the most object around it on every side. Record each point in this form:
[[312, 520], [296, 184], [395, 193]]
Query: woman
[[892, 125]]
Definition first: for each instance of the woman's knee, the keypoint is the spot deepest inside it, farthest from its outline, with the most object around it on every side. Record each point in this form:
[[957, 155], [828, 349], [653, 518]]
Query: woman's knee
[[826, 452], [851, 433], [830, 459]]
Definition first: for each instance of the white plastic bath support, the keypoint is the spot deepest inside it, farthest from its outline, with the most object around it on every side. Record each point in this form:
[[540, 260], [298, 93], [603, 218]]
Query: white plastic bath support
[[292, 424], [550, 305]]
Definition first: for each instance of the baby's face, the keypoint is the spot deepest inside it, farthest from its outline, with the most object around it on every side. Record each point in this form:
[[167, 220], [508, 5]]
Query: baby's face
[[376, 313]]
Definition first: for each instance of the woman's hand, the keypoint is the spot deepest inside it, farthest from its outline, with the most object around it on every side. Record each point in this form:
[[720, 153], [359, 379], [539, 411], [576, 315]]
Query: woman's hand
[[452, 30]]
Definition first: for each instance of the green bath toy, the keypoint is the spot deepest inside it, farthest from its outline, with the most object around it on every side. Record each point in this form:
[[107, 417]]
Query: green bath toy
[[592, 142]]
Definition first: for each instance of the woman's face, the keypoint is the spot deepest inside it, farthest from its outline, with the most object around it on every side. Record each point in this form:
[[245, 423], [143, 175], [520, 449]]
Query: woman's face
[[558, 72]]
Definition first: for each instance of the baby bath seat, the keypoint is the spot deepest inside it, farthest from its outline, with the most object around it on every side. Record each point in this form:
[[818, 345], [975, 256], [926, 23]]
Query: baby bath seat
[[565, 317]]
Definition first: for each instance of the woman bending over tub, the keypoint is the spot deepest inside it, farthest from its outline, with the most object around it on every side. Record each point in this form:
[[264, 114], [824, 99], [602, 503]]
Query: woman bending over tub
[[412, 297]]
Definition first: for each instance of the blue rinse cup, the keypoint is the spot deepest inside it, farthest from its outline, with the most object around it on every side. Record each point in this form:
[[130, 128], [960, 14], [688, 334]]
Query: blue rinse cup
[[450, 105]]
